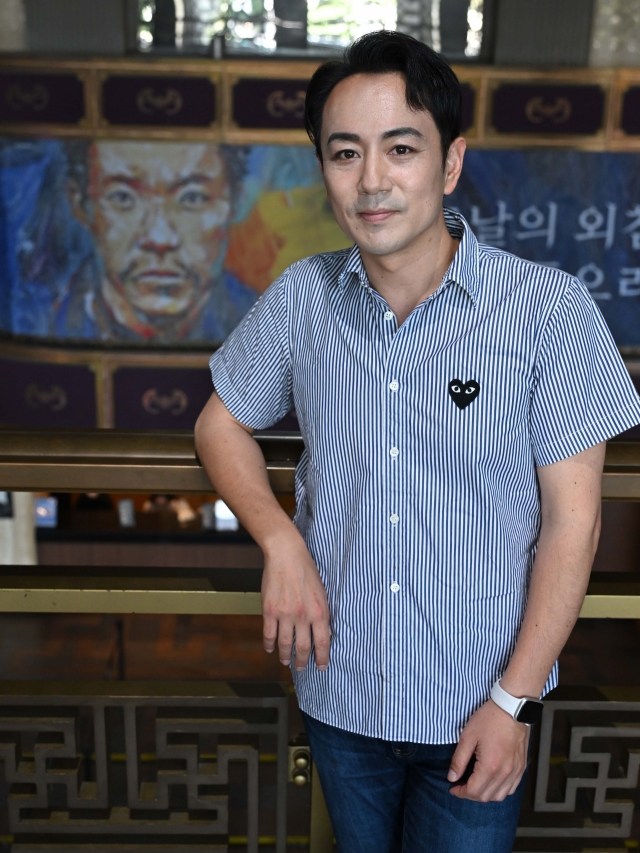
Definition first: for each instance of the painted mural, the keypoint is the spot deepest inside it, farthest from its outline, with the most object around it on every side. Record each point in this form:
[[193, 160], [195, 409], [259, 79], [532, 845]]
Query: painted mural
[[124, 242], [163, 242]]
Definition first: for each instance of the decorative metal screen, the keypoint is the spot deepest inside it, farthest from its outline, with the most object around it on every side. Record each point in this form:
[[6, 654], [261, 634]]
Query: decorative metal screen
[[132, 769], [587, 780]]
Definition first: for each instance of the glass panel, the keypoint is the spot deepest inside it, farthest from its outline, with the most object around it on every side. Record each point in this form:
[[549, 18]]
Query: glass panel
[[262, 25], [337, 22]]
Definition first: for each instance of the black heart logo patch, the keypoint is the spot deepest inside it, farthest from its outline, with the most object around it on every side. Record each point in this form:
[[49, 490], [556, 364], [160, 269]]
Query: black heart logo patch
[[463, 393]]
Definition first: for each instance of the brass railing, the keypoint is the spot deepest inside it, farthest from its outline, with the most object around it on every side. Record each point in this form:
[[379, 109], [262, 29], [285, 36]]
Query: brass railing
[[122, 461], [112, 460], [128, 461]]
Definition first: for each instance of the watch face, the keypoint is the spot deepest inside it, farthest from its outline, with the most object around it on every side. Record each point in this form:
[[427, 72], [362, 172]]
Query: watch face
[[530, 712]]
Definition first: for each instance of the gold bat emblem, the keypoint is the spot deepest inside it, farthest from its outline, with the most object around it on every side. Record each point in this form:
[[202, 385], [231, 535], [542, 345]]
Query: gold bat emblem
[[278, 105], [174, 403], [558, 111], [34, 97], [170, 103], [54, 398]]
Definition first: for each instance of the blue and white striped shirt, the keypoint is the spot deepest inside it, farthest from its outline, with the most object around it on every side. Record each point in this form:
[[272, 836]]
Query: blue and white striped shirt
[[417, 492]]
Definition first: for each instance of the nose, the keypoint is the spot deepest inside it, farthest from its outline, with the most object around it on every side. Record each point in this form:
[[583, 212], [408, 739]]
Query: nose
[[159, 235], [374, 176]]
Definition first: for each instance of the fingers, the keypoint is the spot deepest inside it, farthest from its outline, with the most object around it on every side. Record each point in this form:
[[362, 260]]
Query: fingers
[[515, 784], [285, 642], [303, 646], [321, 643], [500, 748], [269, 632], [283, 633], [461, 758], [490, 783]]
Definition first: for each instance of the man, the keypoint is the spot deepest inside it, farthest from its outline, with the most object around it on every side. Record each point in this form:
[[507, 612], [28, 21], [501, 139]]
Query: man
[[159, 215], [454, 401]]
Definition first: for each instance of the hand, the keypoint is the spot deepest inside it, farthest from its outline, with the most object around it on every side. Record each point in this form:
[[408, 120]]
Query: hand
[[294, 602], [499, 744]]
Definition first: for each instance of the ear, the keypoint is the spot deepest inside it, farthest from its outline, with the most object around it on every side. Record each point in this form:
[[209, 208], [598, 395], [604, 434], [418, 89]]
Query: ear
[[453, 164]]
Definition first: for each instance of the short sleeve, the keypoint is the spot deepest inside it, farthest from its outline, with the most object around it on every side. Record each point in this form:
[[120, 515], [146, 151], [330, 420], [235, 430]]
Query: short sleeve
[[251, 371], [582, 392]]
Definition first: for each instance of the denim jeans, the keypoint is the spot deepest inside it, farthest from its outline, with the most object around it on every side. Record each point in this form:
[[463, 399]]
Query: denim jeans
[[387, 797]]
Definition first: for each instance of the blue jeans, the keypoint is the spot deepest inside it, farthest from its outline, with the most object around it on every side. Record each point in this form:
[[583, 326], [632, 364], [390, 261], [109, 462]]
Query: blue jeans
[[387, 797]]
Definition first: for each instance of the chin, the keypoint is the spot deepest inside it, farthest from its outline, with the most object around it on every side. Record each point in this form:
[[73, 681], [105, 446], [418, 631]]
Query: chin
[[381, 247], [173, 311]]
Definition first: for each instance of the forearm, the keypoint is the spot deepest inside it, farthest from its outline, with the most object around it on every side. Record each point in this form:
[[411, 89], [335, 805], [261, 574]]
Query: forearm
[[236, 467], [294, 601], [558, 584]]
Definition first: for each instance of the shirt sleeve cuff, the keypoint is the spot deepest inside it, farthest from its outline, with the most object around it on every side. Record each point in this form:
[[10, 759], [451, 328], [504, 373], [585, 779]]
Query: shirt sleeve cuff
[[239, 405], [589, 436]]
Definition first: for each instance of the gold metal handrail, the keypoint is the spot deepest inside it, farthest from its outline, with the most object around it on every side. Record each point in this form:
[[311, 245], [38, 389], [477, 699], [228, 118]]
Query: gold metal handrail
[[120, 461], [125, 461], [610, 595], [162, 461]]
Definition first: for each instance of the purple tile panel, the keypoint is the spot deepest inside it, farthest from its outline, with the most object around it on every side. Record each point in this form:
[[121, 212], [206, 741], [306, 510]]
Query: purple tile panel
[[37, 394]]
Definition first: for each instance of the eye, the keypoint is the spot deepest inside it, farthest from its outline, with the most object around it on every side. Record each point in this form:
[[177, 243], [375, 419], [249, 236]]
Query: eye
[[470, 390], [346, 154], [122, 198], [455, 389], [402, 149], [194, 198]]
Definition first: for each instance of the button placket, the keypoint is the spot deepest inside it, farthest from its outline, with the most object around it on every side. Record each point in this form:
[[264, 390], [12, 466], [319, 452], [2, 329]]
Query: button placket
[[394, 534]]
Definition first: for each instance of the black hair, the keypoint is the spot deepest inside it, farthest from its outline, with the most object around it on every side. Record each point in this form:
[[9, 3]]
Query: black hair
[[430, 82]]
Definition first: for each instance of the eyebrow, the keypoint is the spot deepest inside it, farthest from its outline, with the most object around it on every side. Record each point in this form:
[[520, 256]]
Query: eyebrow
[[342, 136], [402, 131], [130, 180], [138, 183], [194, 178]]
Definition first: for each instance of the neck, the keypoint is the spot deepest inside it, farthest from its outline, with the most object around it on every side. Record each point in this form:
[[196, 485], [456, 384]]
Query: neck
[[407, 277]]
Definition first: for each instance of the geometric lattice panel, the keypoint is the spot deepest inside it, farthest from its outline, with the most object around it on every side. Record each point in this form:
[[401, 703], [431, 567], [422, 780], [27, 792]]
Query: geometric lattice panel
[[175, 765], [587, 783]]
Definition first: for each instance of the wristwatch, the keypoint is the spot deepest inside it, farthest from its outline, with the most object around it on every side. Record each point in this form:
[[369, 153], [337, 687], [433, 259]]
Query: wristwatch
[[523, 710]]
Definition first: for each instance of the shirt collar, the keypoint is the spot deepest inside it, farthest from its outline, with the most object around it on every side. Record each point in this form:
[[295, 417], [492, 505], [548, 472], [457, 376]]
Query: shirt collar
[[463, 270]]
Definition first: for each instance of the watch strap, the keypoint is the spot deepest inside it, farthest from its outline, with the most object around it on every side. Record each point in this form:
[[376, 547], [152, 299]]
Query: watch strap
[[510, 704], [523, 709]]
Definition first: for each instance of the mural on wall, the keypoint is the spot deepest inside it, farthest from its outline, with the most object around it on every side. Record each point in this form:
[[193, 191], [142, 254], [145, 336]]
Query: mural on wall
[[165, 242], [169, 242]]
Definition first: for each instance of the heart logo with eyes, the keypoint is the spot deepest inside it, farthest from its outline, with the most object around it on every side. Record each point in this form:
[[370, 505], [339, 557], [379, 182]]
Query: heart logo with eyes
[[463, 393]]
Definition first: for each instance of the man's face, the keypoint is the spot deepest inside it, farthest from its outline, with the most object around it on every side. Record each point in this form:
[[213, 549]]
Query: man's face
[[160, 218], [382, 164]]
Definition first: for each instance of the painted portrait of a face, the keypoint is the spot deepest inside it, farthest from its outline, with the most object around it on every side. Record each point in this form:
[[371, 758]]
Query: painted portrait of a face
[[160, 217], [152, 242]]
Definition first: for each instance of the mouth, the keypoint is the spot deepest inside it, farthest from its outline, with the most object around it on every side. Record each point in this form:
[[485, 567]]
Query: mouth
[[160, 276], [375, 216]]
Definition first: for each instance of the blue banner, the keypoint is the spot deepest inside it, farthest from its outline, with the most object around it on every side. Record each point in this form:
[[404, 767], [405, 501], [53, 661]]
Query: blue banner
[[575, 210]]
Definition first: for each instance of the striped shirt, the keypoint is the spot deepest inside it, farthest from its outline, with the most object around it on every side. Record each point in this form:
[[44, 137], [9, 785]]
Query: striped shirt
[[417, 493]]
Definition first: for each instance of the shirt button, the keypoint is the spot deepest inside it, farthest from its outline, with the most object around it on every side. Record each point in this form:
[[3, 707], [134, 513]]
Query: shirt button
[[394, 452], [389, 315], [394, 519], [394, 587], [394, 385]]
